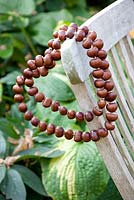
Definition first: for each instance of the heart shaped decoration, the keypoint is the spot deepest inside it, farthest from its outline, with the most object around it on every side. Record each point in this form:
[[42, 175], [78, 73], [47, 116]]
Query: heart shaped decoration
[[41, 65]]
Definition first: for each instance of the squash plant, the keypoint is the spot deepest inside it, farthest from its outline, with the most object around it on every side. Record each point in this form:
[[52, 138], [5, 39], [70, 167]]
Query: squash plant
[[33, 165]]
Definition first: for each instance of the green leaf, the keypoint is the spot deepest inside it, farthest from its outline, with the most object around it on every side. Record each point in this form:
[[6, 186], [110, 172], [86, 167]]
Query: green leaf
[[111, 192], [2, 146], [78, 174], [55, 87], [39, 152], [2, 172], [42, 32], [1, 92], [21, 7], [15, 188], [2, 198], [30, 179], [6, 48], [57, 5], [7, 128], [10, 78]]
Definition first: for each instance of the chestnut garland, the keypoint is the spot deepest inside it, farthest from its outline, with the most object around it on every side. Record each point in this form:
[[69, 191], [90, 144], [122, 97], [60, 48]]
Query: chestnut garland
[[41, 65]]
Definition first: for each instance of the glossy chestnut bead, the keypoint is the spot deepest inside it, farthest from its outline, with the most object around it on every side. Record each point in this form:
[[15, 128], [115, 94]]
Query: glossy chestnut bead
[[102, 132], [78, 136], [70, 32], [47, 102], [59, 131], [102, 54], [22, 107], [35, 121], [95, 62], [51, 66], [74, 26], [92, 52], [89, 116], [28, 115], [106, 75], [85, 29], [50, 42], [98, 43], [101, 103], [86, 136], [79, 35], [71, 114], [48, 60], [56, 44], [62, 35], [29, 82], [55, 106], [32, 91], [62, 110], [97, 112], [36, 73], [39, 97], [17, 89], [48, 51], [111, 96], [109, 85], [87, 43], [68, 134], [102, 93], [56, 54], [98, 73], [38, 61], [42, 126], [27, 73], [18, 98], [79, 116], [111, 116], [63, 27], [20, 80], [104, 64], [50, 129], [92, 35], [109, 126], [111, 107], [43, 71], [31, 64], [94, 136], [99, 83], [55, 34]]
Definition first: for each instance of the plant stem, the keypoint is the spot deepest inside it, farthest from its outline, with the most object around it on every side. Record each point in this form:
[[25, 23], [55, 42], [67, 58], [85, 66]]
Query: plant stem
[[7, 98], [29, 41]]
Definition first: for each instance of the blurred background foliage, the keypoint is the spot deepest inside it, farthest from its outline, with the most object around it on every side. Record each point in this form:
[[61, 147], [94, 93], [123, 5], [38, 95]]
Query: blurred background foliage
[[25, 28]]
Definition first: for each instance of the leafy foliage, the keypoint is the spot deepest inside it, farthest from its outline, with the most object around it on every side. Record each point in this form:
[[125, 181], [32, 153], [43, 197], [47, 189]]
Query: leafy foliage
[[25, 28]]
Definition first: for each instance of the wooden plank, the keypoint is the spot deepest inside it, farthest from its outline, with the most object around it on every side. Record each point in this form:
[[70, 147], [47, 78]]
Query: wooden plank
[[124, 52], [107, 147], [123, 150], [113, 24], [130, 48], [123, 106], [122, 79]]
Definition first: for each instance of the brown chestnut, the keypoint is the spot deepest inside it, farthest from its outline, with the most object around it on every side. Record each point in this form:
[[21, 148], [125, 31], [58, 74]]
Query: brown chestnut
[[111, 107]]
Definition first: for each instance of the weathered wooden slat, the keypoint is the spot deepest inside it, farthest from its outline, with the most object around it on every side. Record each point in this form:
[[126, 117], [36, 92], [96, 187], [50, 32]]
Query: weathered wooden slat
[[122, 79], [112, 25], [125, 55], [114, 22], [123, 150], [108, 148], [127, 114], [130, 48]]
